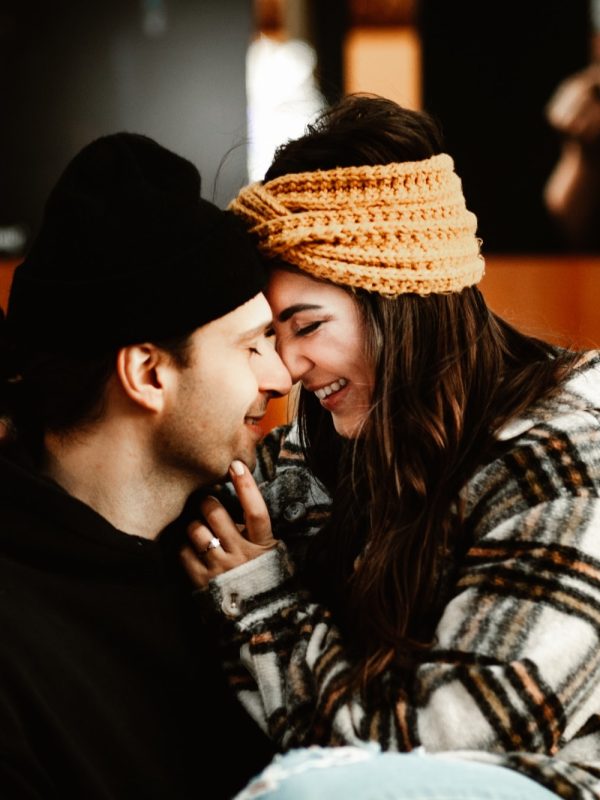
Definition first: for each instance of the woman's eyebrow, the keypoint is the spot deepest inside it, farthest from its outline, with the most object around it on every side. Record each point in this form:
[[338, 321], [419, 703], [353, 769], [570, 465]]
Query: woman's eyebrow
[[291, 310]]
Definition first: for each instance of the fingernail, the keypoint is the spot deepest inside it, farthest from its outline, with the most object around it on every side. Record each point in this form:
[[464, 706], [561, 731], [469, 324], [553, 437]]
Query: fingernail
[[237, 467]]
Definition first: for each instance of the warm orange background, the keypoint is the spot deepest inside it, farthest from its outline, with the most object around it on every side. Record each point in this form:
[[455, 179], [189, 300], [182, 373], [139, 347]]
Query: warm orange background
[[556, 298]]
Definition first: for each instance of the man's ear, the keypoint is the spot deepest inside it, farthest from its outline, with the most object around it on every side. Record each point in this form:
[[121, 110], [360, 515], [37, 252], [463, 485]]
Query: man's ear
[[144, 371]]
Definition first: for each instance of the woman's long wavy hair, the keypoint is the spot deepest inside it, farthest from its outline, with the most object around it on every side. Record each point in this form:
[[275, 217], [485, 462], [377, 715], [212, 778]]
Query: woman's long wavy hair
[[448, 373]]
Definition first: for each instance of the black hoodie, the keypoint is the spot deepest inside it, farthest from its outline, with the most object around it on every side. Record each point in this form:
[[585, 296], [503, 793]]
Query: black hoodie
[[110, 683]]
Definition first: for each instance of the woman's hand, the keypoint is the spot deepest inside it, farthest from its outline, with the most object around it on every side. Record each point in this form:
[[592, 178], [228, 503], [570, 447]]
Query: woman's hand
[[218, 544]]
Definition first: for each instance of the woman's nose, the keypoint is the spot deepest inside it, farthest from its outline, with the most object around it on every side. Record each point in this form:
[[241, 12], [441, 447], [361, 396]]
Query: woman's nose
[[296, 363]]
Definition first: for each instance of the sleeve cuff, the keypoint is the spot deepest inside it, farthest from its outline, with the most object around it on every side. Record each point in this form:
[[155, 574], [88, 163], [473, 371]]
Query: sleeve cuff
[[235, 591]]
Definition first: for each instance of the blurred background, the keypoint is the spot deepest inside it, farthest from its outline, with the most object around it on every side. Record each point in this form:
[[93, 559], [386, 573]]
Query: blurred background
[[223, 82]]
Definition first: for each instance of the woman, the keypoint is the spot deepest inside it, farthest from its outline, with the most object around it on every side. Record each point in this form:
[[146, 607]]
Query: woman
[[450, 603]]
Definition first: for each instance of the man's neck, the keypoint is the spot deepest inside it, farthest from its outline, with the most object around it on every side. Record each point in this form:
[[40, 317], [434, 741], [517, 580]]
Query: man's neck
[[113, 474]]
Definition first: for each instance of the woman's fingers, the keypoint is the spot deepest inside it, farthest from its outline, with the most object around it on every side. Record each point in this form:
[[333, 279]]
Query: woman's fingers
[[218, 544], [256, 513], [195, 568], [204, 539], [206, 557], [218, 524]]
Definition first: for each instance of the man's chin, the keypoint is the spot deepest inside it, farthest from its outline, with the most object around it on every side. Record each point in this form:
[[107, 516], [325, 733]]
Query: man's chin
[[249, 459]]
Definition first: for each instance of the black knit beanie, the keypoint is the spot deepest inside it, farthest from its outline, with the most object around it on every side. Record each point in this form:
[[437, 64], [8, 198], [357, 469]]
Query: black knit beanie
[[128, 252]]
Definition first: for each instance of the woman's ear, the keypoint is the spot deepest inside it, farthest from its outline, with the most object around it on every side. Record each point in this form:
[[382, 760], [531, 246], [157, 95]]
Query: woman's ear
[[144, 372]]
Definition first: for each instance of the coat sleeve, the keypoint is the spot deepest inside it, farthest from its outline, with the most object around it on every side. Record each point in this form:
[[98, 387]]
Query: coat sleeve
[[516, 663]]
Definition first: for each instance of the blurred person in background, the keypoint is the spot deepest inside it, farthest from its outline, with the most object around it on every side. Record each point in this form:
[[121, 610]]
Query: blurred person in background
[[572, 192]]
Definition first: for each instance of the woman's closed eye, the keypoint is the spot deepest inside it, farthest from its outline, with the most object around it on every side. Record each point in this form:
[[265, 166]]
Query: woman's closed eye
[[306, 329]]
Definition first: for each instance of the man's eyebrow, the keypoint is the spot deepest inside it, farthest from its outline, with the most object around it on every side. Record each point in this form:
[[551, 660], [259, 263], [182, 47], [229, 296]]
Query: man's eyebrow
[[260, 330], [289, 312]]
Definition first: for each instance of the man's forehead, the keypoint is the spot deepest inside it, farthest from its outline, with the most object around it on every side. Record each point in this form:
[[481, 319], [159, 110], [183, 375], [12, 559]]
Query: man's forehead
[[257, 330], [245, 322]]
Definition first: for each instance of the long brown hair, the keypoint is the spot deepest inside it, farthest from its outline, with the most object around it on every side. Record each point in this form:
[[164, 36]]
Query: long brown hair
[[448, 373]]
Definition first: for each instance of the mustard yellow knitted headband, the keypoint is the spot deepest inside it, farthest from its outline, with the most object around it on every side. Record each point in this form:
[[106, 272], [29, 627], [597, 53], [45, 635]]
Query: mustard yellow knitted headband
[[389, 229]]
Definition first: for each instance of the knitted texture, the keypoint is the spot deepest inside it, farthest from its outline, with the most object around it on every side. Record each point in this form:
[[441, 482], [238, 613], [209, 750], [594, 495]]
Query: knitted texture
[[390, 229]]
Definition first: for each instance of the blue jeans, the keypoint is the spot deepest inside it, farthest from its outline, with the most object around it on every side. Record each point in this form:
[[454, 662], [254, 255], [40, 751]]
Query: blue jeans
[[367, 773]]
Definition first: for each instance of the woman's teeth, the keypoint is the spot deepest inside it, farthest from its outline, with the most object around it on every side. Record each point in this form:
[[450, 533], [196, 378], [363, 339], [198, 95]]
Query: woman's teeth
[[325, 391]]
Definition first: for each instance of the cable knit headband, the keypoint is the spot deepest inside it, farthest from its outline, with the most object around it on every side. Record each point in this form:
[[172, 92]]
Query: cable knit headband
[[389, 229]]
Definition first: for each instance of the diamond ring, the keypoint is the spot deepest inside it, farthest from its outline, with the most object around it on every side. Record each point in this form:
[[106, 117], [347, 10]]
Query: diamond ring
[[212, 545]]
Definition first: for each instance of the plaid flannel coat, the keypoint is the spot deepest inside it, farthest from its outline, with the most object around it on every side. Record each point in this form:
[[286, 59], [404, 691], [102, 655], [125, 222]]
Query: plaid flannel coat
[[514, 676]]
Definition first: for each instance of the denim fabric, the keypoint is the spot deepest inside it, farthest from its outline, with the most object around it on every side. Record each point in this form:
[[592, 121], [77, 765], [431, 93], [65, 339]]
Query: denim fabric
[[367, 773]]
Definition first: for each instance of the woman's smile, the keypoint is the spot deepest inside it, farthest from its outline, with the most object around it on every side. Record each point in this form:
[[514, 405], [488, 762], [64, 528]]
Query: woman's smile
[[320, 338]]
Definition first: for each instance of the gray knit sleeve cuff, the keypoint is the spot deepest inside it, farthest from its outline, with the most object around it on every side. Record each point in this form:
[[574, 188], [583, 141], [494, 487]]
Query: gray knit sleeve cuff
[[248, 593]]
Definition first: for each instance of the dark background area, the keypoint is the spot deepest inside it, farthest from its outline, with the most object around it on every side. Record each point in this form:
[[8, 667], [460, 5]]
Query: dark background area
[[175, 70], [72, 70], [488, 70]]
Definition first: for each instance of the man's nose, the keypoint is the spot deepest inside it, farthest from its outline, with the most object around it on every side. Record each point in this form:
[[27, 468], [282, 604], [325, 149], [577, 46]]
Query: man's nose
[[276, 378]]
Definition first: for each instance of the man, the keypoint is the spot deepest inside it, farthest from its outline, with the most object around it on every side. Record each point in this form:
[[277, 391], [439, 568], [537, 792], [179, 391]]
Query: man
[[136, 366]]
